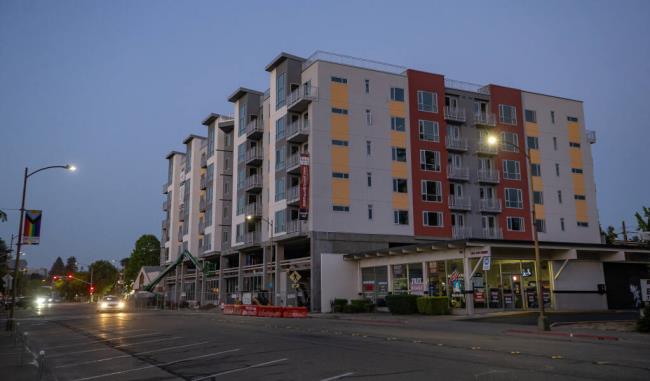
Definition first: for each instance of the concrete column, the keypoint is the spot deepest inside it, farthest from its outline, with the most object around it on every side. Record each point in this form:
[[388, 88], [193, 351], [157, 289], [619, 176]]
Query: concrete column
[[240, 274], [469, 294], [425, 277], [280, 293], [222, 283], [390, 278]]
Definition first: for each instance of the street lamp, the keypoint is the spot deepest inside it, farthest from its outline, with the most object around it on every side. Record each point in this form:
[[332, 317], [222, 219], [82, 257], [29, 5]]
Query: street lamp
[[276, 275], [27, 175], [542, 319]]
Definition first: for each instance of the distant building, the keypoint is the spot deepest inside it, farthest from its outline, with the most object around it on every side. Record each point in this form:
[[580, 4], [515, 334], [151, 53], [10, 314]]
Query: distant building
[[145, 276]]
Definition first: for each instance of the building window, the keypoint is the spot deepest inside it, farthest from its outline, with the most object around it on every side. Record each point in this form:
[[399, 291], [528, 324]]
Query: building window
[[399, 186], [507, 114], [368, 117], [211, 134], [514, 198], [430, 160], [562, 224], [429, 131], [342, 143], [240, 204], [554, 143], [427, 101], [583, 224], [401, 217], [432, 219], [280, 221], [397, 124], [580, 197], [241, 128], [559, 197], [280, 92], [399, 154], [540, 226], [532, 142], [339, 80], [341, 111], [516, 224], [241, 152], [509, 142], [431, 191], [535, 170], [340, 175], [538, 197], [531, 116], [572, 119], [340, 208], [368, 147], [366, 86], [576, 170], [279, 189], [553, 121], [279, 159], [574, 145], [369, 175], [369, 212], [557, 169], [511, 170], [397, 94], [279, 128]]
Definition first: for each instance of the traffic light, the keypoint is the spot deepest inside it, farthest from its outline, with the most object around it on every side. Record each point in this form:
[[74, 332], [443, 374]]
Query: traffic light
[[69, 276], [92, 289], [56, 277]]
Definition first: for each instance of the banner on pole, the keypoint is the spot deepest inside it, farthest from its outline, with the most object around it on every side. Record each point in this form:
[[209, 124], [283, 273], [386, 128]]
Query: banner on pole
[[32, 227]]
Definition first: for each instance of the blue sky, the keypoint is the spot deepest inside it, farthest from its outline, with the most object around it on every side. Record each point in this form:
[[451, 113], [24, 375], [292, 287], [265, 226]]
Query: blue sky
[[112, 86]]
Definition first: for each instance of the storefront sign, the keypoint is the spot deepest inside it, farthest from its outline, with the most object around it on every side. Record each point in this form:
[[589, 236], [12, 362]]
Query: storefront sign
[[487, 261], [417, 286], [479, 296], [304, 187], [368, 286], [495, 296], [480, 252], [645, 289]]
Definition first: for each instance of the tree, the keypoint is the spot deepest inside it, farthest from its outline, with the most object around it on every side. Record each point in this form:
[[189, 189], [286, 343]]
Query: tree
[[145, 253], [58, 268], [643, 224], [124, 262], [610, 235], [104, 276], [4, 257], [71, 265]]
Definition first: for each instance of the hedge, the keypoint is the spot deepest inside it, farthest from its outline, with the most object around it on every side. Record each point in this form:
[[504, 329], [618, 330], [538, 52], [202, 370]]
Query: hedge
[[402, 304], [433, 305], [361, 305], [339, 305]]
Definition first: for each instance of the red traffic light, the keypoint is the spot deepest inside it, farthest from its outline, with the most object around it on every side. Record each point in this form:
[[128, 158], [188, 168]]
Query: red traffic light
[[56, 277], [92, 289], [69, 276]]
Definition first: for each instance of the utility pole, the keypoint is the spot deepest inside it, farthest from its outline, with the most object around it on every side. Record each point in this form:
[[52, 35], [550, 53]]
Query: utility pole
[[624, 233]]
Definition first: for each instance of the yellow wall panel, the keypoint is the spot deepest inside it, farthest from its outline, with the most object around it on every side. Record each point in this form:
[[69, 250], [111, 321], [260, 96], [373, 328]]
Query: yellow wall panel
[[574, 132], [341, 191], [340, 127], [534, 156], [532, 129], [340, 159], [576, 157], [339, 95], [400, 170], [398, 139], [538, 183], [578, 183], [397, 109], [581, 210], [540, 213], [400, 201]]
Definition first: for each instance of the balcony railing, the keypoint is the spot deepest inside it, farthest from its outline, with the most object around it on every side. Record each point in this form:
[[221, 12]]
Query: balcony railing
[[490, 205], [203, 204], [293, 194], [455, 114], [203, 182], [461, 232], [488, 176], [460, 203], [293, 161], [296, 226], [254, 156], [201, 226], [254, 209], [204, 160], [485, 119], [591, 136], [253, 182], [254, 129], [165, 224], [165, 188], [300, 98], [165, 205], [298, 131], [457, 173], [485, 148], [456, 144], [251, 238], [492, 233]]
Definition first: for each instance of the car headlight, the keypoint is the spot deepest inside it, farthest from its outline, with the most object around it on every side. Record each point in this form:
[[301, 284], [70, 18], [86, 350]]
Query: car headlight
[[103, 305], [40, 300], [120, 305]]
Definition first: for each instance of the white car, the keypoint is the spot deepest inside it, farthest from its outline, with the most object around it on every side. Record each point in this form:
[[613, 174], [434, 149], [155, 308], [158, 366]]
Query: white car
[[110, 303]]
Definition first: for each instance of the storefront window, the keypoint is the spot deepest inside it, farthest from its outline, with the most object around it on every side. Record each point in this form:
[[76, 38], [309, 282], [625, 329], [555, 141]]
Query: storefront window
[[374, 282], [400, 279], [437, 278], [408, 278], [456, 283]]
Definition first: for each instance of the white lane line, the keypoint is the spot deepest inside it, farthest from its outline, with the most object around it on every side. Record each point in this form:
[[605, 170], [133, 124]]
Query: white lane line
[[338, 377], [133, 355], [117, 346], [157, 365], [239, 369], [101, 341]]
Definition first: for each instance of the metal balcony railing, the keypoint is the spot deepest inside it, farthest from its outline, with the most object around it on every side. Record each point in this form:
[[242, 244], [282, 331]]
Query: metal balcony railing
[[485, 148], [254, 209], [455, 114], [301, 97], [293, 194], [488, 176], [253, 182], [492, 233], [296, 226], [254, 129], [461, 232], [251, 238], [461, 203], [591, 136], [254, 155], [457, 173], [165, 205], [485, 119], [456, 144], [490, 205], [298, 131], [293, 161], [204, 160]]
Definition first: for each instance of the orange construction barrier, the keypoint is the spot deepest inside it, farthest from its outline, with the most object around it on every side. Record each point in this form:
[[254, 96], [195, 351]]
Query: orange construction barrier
[[264, 311], [249, 310], [269, 311], [294, 312]]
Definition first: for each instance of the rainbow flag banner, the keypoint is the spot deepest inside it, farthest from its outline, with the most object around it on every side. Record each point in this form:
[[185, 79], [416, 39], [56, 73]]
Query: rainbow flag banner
[[32, 227]]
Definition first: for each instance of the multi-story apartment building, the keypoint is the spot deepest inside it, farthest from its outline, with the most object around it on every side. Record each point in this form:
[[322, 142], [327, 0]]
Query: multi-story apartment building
[[342, 156]]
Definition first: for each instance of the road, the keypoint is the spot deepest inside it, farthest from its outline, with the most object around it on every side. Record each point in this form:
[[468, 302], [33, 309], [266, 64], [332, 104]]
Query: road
[[81, 344]]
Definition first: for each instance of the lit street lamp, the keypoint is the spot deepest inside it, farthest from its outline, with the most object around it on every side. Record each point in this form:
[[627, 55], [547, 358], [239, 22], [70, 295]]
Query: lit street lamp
[[542, 319], [27, 175], [276, 275]]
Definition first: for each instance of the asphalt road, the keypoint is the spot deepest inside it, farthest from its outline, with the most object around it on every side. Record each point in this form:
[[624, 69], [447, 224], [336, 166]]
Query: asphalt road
[[81, 344]]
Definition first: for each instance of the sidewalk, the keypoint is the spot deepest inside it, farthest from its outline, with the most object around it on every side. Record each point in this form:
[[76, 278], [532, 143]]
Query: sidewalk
[[10, 357]]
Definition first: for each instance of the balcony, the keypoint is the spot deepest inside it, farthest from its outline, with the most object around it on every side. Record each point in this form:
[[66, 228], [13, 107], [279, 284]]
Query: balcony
[[253, 183], [591, 136], [460, 203], [301, 97], [457, 173], [486, 149], [254, 156], [488, 176], [296, 227], [298, 131], [485, 119], [490, 205], [203, 204], [254, 209], [201, 226], [179, 238], [461, 232], [203, 184], [293, 163], [204, 160], [165, 236], [293, 195], [165, 205], [181, 215], [165, 188], [455, 114], [254, 129], [165, 224], [251, 238], [456, 144], [492, 233]]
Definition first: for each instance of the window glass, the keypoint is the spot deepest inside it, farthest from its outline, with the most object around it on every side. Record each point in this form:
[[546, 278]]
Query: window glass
[[532, 142], [429, 160], [511, 170], [531, 116], [507, 114], [538, 197], [431, 191], [427, 101], [514, 198], [400, 186], [340, 208], [399, 154], [509, 142], [397, 124], [397, 94], [433, 219], [279, 128], [280, 91], [339, 80], [401, 217], [515, 224], [429, 130], [341, 111], [535, 170]]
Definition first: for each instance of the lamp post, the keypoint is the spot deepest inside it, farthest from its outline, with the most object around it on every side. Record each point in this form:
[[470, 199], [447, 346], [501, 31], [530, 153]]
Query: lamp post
[[542, 319], [27, 175], [91, 285], [276, 275]]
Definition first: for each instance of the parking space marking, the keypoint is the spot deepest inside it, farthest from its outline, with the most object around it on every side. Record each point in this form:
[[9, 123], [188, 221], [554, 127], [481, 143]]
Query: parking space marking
[[156, 366], [240, 369], [133, 355], [116, 346], [338, 377], [100, 341]]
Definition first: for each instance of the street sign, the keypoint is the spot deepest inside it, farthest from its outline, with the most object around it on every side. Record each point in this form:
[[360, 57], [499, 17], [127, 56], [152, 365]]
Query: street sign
[[8, 281], [295, 285], [295, 277], [487, 261]]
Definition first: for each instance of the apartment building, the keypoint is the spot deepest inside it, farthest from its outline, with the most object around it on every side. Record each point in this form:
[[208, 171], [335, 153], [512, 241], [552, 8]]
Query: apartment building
[[341, 156]]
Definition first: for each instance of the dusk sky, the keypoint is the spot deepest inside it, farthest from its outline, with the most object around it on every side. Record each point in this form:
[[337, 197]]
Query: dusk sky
[[112, 86]]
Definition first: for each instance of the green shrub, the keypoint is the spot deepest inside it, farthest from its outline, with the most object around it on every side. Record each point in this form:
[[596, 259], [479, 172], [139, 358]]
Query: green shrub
[[643, 324], [402, 304], [433, 305], [339, 305], [361, 305]]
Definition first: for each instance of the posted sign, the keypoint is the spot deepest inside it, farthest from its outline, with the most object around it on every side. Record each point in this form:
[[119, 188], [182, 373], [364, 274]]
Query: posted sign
[[645, 290]]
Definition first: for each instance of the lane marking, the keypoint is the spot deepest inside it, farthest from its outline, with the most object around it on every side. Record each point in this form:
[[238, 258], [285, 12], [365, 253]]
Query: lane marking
[[133, 355], [156, 366], [100, 341], [240, 369], [117, 346], [338, 376]]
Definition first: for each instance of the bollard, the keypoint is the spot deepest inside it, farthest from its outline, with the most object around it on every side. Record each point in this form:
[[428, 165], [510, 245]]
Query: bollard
[[41, 364]]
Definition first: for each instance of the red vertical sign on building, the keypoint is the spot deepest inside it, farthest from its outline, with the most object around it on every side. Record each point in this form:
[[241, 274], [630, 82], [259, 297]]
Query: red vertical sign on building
[[304, 186]]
